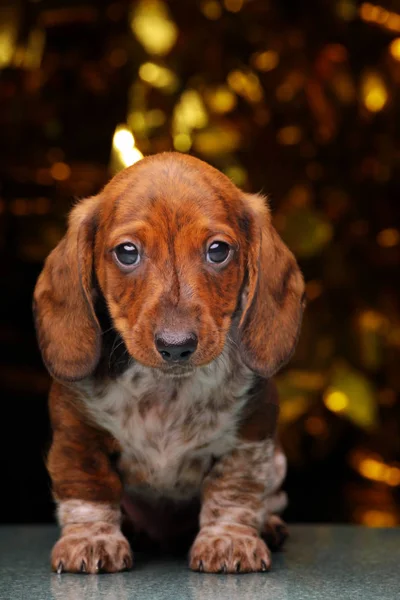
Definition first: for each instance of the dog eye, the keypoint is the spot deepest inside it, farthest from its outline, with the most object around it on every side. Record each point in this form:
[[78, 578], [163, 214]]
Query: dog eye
[[218, 252], [127, 254]]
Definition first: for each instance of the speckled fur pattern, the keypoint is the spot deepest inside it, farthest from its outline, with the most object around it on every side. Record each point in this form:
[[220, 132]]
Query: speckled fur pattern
[[173, 451]]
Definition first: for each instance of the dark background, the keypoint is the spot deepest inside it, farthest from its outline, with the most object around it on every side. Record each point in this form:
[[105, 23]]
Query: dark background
[[296, 99]]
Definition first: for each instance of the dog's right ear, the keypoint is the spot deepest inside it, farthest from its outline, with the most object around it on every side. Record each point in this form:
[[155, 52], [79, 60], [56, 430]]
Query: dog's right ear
[[67, 327]]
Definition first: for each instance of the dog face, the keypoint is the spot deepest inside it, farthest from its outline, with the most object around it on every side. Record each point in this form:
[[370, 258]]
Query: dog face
[[186, 262]]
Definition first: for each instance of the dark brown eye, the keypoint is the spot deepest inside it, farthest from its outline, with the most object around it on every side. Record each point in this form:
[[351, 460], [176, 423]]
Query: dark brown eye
[[218, 252], [127, 254]]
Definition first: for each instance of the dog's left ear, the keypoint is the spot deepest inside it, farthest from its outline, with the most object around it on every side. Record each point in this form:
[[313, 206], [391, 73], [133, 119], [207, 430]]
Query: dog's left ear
[[274, 299]]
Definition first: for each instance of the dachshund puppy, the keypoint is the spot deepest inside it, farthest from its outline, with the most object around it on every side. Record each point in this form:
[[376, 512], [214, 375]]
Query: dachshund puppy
[[162, 315]]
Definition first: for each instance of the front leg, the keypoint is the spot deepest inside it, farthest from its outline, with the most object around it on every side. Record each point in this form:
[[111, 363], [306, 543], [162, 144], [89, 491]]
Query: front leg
[[87, 491], [233, 512]]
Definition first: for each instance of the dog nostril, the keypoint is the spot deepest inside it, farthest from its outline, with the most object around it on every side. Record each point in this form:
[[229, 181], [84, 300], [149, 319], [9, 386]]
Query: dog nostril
[[176, 347]]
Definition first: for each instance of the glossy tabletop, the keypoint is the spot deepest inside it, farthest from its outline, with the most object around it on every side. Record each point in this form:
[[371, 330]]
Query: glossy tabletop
[[319, 562]]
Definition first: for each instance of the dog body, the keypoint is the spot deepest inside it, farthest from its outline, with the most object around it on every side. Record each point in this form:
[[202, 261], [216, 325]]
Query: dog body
[[162, 315]]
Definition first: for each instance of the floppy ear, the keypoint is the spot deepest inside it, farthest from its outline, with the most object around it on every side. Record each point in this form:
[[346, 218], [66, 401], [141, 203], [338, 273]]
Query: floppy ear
[[274, 299], [67, 328]]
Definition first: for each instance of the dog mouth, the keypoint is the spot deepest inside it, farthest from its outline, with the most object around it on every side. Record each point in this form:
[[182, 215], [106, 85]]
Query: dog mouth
[[178, 371]]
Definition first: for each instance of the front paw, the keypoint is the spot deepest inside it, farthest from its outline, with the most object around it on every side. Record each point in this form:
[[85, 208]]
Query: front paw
[[225, 552], [91, 548]]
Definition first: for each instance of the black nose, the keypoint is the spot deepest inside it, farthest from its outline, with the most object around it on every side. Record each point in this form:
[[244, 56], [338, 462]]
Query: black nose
[[175, 347]]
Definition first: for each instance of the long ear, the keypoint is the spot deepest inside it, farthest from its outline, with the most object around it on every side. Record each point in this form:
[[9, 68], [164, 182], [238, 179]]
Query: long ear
[[274, 299], [67, 328]]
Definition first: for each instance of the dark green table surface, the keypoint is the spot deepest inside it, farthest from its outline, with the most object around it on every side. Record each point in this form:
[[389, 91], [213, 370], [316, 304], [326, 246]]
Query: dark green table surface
[[319, 562]]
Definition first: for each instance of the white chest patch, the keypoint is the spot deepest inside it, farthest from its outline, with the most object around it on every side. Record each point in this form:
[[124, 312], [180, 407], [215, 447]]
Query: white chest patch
[[170, 429]]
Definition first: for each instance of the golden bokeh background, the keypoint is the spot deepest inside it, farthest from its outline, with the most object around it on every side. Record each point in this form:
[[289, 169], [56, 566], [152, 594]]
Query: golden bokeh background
[[299, 100]]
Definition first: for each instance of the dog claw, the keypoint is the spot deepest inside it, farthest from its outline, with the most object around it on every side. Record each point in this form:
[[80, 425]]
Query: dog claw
[[83, 567], [201, 567], [223, 569], [99, 564], [126, 563], [264, 566], [237, 567], [60, 567]]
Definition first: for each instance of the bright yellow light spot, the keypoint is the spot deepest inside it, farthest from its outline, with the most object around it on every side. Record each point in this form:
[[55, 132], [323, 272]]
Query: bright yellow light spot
[[374, 92], [289, 136], [233, 5], [130, 157], [388, 238], [153, 27], [124, 147], [182, 142], [395, 49], [190, 112], [123, 139], [158, 76], [378, 518], [336, 401], [221, 99], [247, 84], [211, 9], [265, 61], [60, 171]]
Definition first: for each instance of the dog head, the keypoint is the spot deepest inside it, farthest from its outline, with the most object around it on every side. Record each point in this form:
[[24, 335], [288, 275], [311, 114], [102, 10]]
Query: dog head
[[185, 262]]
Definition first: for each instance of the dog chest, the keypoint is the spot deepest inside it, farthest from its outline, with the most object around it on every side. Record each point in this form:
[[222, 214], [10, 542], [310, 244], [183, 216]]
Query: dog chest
[[169, 431]]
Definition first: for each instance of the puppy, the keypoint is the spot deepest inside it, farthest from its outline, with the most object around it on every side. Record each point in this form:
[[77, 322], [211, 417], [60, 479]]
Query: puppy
[[162, 315]]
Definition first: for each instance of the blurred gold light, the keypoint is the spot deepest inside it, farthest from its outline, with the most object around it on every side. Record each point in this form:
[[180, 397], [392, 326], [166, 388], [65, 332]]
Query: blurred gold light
[[216, 141], [123, 139], [233, 5], [377, 14], [378, 518], [336, 401], [346, 9], [153, 27], [190, 112], [313, 289], [182, 142], [131, 156], [237, 174], [289, 136], [388, 238], [374, 92], [395, 49], [60, 171], [371, 320], [158, 76], [265, 61], [211, 9], [374, 468], [247, 84], [124, 147], [221, 99]]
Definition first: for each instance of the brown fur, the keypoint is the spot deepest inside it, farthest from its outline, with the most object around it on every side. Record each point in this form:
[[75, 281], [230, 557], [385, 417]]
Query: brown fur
[[94, 320]]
